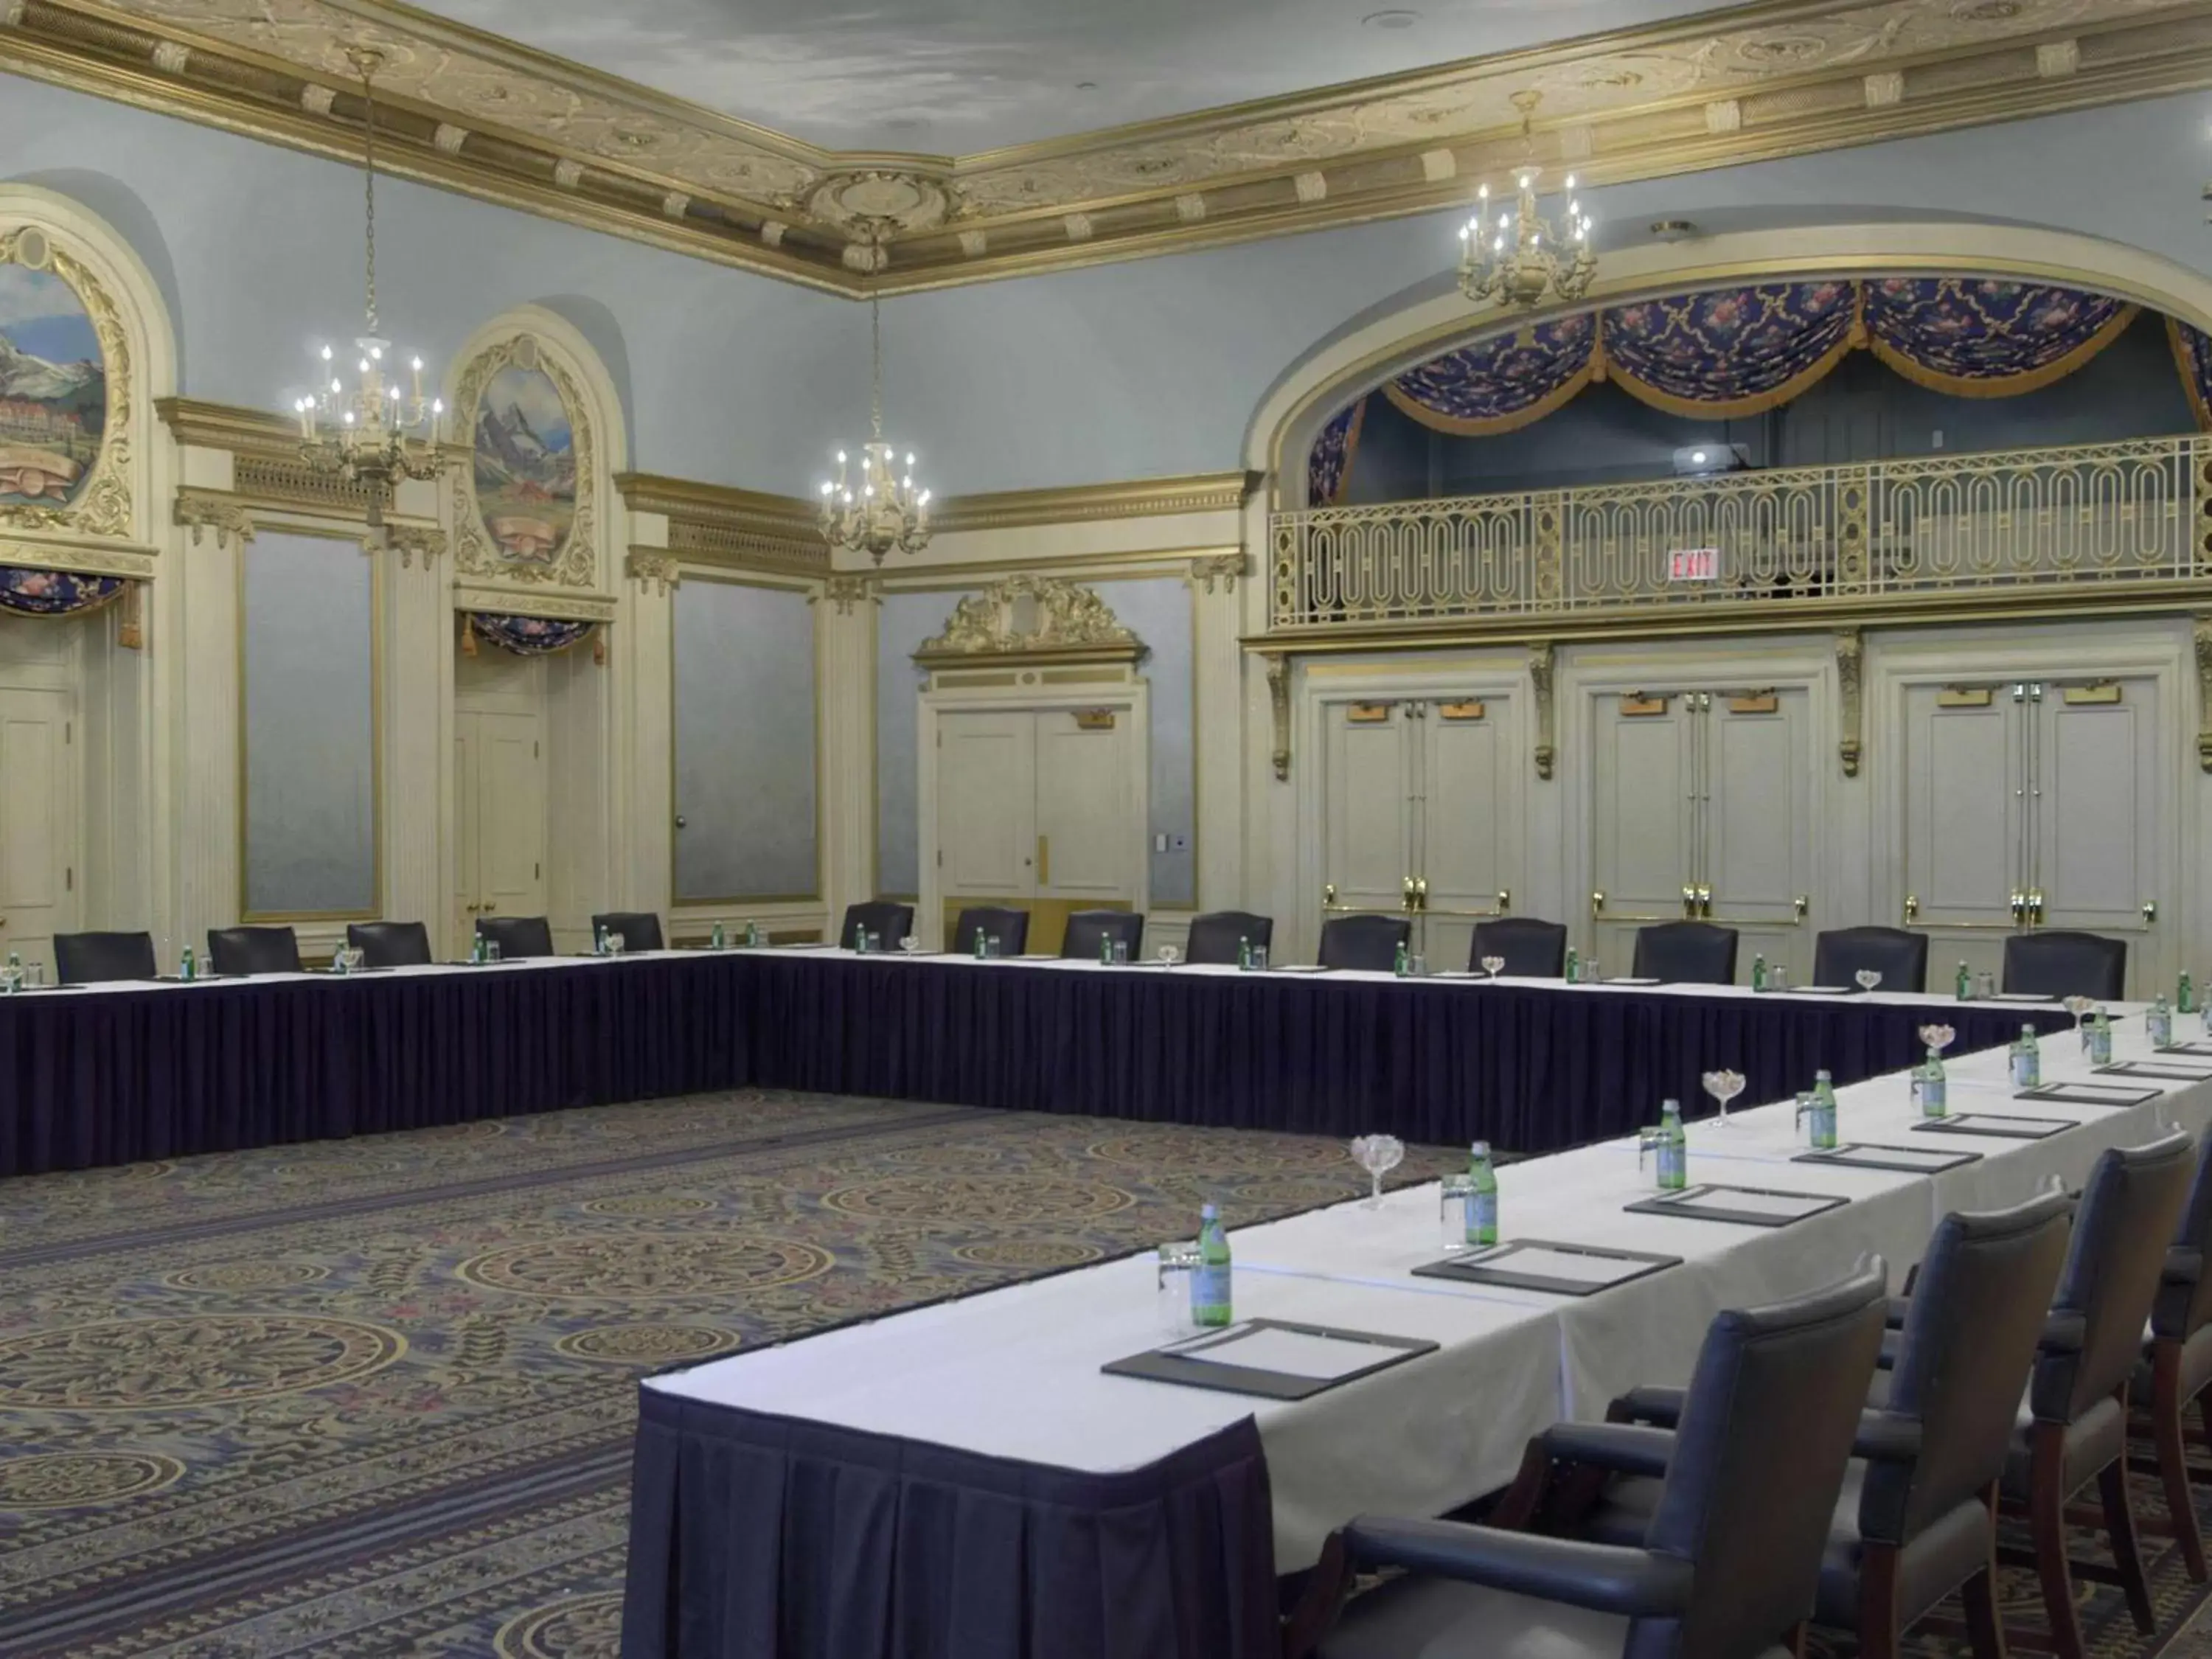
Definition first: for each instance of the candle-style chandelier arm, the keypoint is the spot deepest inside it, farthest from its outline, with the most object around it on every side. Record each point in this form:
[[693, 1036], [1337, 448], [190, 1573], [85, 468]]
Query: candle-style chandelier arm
[[1522, 256], [880, 510]]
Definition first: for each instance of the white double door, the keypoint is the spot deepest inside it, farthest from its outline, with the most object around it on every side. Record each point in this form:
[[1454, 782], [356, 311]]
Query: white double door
[[1035, 811], [499, 758], [1422, 815], [38, 820], [2032, 803], [1702, 809]]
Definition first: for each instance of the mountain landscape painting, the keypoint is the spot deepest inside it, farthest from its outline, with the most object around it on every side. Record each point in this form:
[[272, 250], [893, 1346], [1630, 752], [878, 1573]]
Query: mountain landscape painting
[[53, 390], [525, 466]]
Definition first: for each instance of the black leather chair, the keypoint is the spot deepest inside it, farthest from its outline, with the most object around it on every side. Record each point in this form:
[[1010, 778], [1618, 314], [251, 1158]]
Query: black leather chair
[[1086, 927], [389, 944], [1215, 936], [640, 929], [253, 949], [1899, 957], [1685, 953], [103, 958], [1729, 1565], [1010, 927], [2067, 965], [1366, 943], [1533, 948], [2077, 1395], [2176, 1371], [1917, 1519], [889, 922], [517, 936]]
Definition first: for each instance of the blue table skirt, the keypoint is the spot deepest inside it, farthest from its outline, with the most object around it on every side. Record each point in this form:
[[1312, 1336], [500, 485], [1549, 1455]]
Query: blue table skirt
[[761, 1537], [111, 1077]]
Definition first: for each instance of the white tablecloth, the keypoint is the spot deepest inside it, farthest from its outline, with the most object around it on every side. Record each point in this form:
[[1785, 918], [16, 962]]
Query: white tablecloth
[[1015, 1372]]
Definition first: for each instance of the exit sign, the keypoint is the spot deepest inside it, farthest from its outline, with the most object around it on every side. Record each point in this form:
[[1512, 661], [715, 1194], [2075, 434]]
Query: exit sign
[[1693, 564]]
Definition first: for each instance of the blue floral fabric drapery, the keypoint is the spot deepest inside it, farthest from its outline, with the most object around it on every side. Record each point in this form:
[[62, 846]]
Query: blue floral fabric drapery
[[1328, 466], [30, 592], [529, 636], [1976, 338], [2192, 355], [1506, 381], [1724, 353]]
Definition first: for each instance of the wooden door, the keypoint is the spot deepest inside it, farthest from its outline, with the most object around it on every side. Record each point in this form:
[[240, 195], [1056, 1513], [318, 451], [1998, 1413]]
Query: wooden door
[[1963, 759], [1088, 840], [1755, 810], [1642, 828], [1468, 822], [1368, 761], [500, 784], [38, 821], [985, 809], [2093, 856]]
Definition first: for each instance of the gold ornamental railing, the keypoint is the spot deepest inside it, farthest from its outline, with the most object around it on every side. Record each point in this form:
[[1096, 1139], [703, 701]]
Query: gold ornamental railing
[[2083, 516]]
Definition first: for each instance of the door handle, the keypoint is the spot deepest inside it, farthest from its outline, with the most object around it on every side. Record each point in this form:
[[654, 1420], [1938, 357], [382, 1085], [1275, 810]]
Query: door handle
[[1504, 900], [1328, 895], [2149, 913], [1420, 893], [1801, 904], [2035, 907], [1689, 901], [1705, 901], [1911, 909], [1406, 893], [2019, 909], [1597, 903]]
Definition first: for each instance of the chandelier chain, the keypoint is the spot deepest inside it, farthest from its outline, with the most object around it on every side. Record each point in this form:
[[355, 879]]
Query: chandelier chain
[[875, 367], [367, 64]]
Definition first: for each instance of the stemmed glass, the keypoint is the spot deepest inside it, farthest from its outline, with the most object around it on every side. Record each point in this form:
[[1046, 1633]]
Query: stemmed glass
[[1378, 1155], [1937, 1037], [909, 943], [11, 980], [2080, 1007], [1493, 966], [1723, 1086], [1868, 978], [1169, 955]]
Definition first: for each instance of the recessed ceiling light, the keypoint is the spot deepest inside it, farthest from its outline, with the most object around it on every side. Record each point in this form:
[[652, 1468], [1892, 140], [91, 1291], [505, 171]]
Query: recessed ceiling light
[[1396, 18]]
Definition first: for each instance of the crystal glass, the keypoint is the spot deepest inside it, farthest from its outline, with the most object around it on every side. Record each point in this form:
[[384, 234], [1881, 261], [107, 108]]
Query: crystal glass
[[491, 950], [37, 975], [1176, 1263], [1777, 978], [1121, 952], [1938, 1037], [2080, 1007], [1259, 958], [1985, 985], [1169, 955], [990, 945], [1417, 966], [1454, 1192], [911, 945], [615, 943], [1493, 966], [11, 979], [1378, 1155], [1723, 1086], [1868, 978]]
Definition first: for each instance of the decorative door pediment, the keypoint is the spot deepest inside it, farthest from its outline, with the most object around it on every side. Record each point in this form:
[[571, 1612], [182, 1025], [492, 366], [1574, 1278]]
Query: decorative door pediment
[[1032, 620]]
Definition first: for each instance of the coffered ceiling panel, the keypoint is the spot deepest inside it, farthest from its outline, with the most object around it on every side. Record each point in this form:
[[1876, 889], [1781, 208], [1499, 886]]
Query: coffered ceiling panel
[[620, 142]]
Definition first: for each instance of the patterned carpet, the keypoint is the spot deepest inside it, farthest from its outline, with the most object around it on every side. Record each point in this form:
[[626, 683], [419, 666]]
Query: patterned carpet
[[374, 1397]]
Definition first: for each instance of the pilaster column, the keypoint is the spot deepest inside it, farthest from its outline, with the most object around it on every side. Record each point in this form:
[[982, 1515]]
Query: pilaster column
[[845, 683]]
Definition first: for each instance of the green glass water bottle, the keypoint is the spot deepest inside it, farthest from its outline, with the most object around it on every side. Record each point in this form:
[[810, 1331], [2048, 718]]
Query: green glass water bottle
[[1674, 1149], [1398, 966], [1482, 1197], [2100, 1039], [1210, 1297], [2184, 1001], [2159, 1022], [2026, 1060], [1243, 953], [1963, 984], [1759, 972], [1574, 966], [189, 969], [721, 938]]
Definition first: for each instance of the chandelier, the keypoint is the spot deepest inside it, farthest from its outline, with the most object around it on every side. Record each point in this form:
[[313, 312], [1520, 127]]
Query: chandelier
[[375, 435], [1521, 258], [880, 509]]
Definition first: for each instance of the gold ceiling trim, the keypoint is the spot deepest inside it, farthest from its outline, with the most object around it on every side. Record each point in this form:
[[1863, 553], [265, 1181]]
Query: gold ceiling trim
[[494, 120], [1137, 498]]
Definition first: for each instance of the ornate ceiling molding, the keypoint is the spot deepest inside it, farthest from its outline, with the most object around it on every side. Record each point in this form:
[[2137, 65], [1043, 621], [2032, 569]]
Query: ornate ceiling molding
[[489, 118]]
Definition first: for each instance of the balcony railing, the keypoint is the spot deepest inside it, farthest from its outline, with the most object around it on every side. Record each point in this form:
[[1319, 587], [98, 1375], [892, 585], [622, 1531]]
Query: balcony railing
[[2083, 517]]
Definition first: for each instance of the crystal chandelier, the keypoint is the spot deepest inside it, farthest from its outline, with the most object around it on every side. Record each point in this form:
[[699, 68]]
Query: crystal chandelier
[[881, 509], [1521, 258], [376, 435]]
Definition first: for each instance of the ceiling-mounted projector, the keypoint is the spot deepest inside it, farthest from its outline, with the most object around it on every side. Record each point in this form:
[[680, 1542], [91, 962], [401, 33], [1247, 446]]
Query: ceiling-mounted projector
[[1692, 459]]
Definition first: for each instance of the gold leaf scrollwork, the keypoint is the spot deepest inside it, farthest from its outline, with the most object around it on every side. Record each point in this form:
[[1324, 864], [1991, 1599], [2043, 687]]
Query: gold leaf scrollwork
[[1224, 568], [411, 541], [659, 571], [2204, 632], [103, 507], [1542, 659], [577, 563], [1279, 703], [1851, 665], [1026, 615], [846, 591], [202, 510]]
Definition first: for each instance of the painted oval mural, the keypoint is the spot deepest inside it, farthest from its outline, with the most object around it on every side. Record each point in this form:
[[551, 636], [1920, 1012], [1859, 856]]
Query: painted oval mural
[[525, 466], [53, 390]]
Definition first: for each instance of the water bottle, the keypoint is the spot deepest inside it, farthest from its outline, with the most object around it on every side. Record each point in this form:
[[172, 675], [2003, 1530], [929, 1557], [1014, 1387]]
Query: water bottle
[[1824, 1111], [2026, 1060], [980, 952], [1209, 1285], [2159, 1021], [2184, 1001], [721, 939], [339, 960], [1574, 966], [753, 934], [1243, 953], [1964, 986], [1482, 1199], [476, 952], [1674, 1148], [189, 969], [2100, 1039], [1759, 972], [1398, 966], [1931, 1089], [599, 943], [1105, 951]]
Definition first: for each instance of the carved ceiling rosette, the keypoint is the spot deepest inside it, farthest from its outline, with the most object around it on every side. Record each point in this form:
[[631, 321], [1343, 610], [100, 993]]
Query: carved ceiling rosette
[[870, 206], [66, 437], [525, 509]]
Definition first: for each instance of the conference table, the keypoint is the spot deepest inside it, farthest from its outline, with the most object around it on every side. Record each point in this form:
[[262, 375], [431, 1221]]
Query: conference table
[[964, 1478], [115, 1073]]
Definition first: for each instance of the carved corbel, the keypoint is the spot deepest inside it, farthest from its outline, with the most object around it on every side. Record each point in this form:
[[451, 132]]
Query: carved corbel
[[1226, 568], [201, 510], [1851, 662], [655, 570], [846, 591], [409, 540], [1278, 697], [1542, 658], [2204, 690]]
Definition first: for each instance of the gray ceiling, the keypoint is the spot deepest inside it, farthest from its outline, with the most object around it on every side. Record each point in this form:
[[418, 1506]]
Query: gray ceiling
[[954, 76]]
